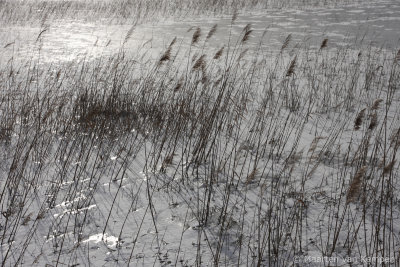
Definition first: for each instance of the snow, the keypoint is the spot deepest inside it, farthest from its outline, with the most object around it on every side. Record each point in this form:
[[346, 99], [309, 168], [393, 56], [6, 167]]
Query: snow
[[109, 240]]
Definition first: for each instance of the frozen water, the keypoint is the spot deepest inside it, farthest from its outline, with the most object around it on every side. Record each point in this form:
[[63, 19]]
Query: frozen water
[[63, 40]]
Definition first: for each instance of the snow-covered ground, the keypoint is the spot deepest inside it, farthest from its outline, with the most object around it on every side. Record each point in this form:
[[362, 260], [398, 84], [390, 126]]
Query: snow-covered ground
[[270, 139]]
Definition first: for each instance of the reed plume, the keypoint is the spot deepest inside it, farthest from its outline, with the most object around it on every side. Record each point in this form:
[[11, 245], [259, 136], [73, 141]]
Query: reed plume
[[129, 34], [314, 144], [388, 168], [234, 16], [324, 43], [200, 63], [250, 178], [358, 121], [373, 122], [166, 56], [395, 138], [397, 57], [212, 32], [167, 161], [355, 185], [376, 104], [219, 53], [172, 42], [247, 31], [291, 68], [196, 35], [242, 54], [178, 85], [286, 42]]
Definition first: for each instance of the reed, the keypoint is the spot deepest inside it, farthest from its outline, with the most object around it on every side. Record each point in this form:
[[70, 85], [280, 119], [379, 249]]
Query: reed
[[355, 187]]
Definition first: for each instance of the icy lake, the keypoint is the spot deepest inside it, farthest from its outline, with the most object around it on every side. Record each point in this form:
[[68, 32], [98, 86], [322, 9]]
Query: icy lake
[[375, 24]]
